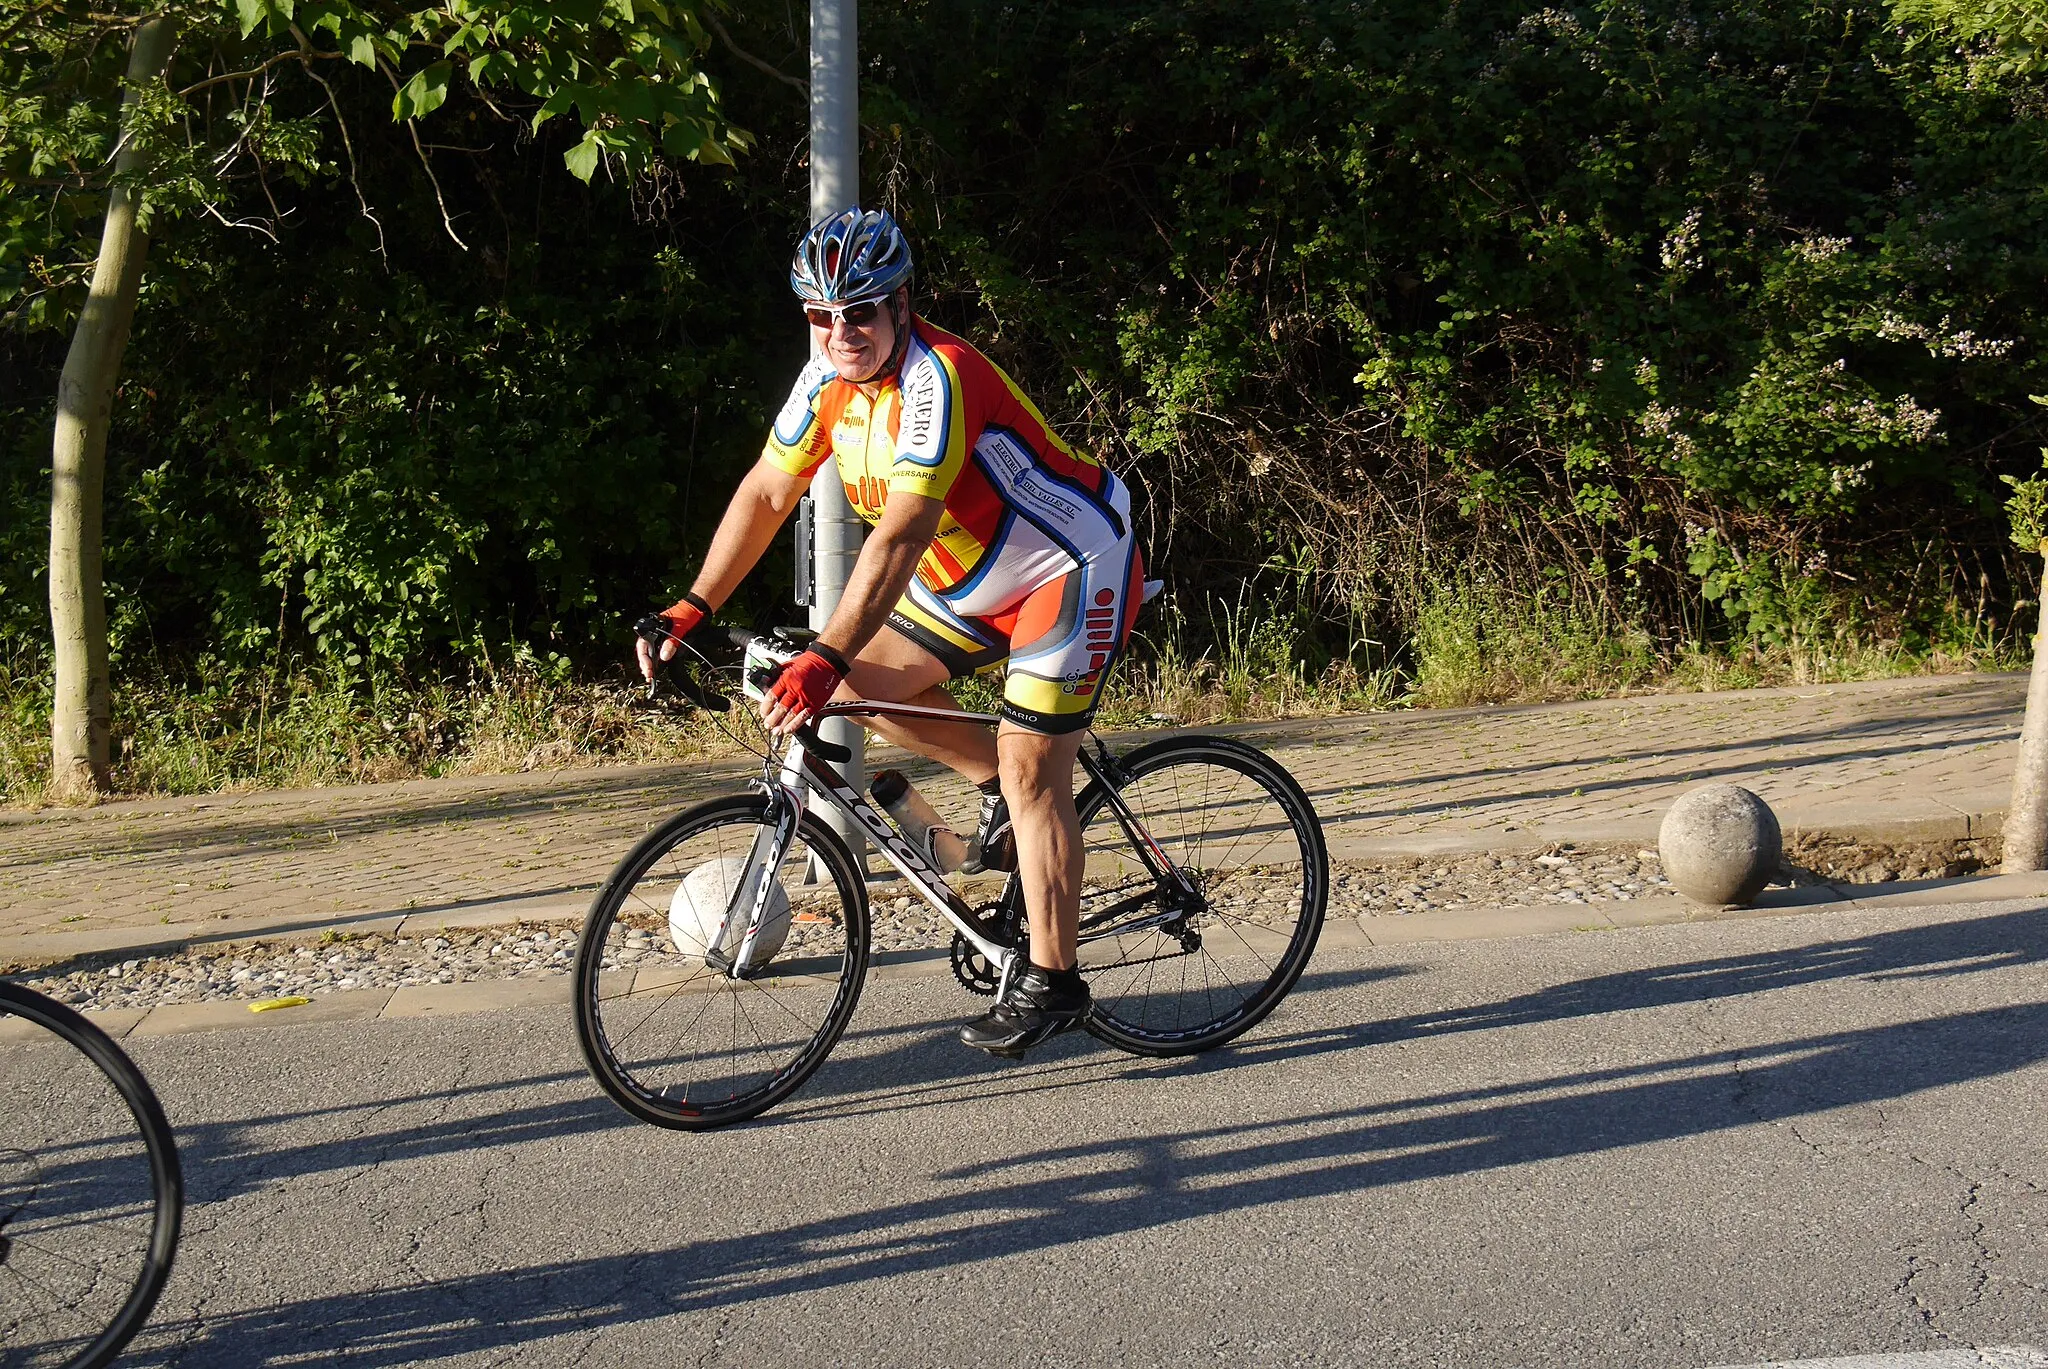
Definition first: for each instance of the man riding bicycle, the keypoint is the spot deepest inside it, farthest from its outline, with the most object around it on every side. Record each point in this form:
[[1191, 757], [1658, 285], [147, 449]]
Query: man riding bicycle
[[994, 544]]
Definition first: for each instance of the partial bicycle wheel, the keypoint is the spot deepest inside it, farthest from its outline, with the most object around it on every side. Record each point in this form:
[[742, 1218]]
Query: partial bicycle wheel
[[673, 1040], [91, 1195], [1173, 980]]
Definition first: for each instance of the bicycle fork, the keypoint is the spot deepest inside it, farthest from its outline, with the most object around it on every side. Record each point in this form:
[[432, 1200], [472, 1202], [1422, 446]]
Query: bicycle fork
[[785, 793]]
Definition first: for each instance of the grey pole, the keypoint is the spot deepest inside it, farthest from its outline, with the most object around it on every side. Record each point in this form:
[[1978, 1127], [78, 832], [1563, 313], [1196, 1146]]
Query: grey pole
[[835, 185]]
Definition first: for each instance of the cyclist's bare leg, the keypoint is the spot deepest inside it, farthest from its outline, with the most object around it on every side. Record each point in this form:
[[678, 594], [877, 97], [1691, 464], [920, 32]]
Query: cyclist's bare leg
[[1038, 783], [895, 669]]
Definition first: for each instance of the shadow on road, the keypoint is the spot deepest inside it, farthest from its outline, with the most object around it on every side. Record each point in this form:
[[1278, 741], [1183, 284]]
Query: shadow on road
[[1139, 1182]]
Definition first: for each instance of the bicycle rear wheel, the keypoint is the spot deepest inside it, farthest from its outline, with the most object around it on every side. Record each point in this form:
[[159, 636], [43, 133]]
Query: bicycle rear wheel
[[1174, 981], [676, 1042], [91, 1195]]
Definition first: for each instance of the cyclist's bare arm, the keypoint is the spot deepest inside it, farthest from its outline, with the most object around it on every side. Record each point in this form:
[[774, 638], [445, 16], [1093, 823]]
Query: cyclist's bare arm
[[759, 508], [887, 561]]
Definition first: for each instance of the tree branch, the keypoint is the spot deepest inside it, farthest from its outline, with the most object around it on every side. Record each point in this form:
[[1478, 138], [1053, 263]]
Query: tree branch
[[749, 58], [301, 55], [412, 126], [348, 145]]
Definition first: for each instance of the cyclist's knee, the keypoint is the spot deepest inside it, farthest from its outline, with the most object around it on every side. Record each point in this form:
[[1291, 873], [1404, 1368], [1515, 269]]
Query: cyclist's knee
[[1034, 765]]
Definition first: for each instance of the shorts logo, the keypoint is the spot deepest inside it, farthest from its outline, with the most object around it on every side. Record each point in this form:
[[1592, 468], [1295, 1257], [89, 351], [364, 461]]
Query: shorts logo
[[1101, 642]]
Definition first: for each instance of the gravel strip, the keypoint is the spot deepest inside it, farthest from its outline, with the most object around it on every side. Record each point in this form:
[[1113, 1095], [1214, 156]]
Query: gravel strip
[[343, 961]]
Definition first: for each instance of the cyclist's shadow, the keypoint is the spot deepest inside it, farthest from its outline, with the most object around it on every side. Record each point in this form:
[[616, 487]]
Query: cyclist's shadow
[[905, 1066]]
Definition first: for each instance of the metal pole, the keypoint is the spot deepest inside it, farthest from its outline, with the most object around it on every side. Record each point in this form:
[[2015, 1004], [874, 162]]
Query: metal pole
[[835, 185]]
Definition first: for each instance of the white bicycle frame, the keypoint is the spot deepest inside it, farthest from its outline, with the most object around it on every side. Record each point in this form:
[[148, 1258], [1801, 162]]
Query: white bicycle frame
[[801, 771]]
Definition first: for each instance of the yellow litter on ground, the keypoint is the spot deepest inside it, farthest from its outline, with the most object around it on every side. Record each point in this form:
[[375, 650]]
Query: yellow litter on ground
[[271, 1004]]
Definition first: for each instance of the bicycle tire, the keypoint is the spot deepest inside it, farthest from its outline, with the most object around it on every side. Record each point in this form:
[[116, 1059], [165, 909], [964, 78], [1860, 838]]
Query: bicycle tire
[[657, 1081], [1146, 1011], [167, 1182]]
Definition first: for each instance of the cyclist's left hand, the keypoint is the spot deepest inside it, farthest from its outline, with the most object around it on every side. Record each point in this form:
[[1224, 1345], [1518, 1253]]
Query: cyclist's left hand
[[801, 688]]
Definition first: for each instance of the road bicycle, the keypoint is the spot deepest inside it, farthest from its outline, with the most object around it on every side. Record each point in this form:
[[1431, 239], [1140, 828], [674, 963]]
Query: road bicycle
[[91, 1195], [1205, 884]]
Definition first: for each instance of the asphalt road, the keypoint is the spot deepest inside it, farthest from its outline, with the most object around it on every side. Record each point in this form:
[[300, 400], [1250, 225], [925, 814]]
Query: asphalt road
[[1683, 1146]]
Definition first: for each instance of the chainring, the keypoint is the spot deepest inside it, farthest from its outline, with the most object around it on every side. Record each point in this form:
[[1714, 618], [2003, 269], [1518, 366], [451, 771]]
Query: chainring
[[970, 966]]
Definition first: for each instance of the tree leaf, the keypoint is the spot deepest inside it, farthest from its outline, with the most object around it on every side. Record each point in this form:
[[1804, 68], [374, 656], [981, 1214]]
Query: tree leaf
[[582, 158], [426, 92]]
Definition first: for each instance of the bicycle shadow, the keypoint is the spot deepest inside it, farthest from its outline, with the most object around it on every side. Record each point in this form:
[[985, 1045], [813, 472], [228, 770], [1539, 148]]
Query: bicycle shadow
[[1131, 1184]]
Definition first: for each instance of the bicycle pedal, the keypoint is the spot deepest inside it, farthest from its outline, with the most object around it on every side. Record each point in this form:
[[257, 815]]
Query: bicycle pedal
[[1016, 1054]]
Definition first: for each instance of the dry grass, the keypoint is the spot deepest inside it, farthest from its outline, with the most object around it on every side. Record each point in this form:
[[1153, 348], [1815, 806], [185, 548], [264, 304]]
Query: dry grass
[[1470, 647]]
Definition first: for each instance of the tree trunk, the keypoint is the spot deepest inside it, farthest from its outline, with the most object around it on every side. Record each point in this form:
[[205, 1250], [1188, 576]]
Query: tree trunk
[[81, 714], [2026, 818]]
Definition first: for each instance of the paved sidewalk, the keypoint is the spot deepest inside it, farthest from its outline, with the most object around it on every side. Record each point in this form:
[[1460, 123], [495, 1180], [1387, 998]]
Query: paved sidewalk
[[1920, 758]]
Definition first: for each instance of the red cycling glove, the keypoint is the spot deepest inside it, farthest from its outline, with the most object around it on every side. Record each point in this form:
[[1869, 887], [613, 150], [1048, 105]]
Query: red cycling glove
[[684, 615], [805, 685]]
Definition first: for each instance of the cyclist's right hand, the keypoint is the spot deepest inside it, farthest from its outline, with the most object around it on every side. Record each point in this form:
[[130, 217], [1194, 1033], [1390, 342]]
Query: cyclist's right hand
[[657, 636]]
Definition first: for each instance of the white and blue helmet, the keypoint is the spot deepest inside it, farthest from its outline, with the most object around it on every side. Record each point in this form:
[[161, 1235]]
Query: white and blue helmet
[[854, 255]]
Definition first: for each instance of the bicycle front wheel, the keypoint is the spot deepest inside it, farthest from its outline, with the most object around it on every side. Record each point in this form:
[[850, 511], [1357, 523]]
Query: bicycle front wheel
[[675, 1041], [91, 1195], [1173, 980]]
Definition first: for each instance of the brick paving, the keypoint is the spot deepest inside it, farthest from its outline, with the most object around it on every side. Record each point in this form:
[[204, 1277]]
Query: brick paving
[[1924, 757]]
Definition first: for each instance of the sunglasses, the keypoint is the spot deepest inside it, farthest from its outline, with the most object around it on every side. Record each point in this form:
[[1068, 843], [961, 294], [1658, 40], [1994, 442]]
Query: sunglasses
[[856, 315]]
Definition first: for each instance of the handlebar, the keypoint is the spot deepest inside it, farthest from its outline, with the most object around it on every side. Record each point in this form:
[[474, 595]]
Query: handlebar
[[653, 630]]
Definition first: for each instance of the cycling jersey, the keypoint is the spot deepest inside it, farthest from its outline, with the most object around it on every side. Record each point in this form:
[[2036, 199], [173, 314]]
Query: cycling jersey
[[1034, 561]]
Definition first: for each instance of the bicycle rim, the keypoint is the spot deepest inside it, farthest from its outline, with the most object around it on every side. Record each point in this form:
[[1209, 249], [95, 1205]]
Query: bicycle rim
[[91, 1194], [673, 1040], [1169, 981]]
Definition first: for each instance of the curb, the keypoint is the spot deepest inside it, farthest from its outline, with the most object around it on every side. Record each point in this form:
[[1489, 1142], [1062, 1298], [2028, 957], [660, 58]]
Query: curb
[[1341, 933], [49, 949]]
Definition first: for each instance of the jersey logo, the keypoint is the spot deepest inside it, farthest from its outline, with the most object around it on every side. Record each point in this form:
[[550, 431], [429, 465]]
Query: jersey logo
[[921, 429]]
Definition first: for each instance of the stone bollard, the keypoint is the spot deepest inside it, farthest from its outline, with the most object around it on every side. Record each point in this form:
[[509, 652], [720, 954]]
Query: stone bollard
[[1720, 845]]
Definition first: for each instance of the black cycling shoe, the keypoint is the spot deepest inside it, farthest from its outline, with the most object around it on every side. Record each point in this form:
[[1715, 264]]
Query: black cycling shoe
[[1041, 1003], [994, 846]]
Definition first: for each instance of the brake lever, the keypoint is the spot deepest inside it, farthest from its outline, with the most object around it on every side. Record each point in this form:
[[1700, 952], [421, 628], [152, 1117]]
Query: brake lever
[[653, 630], [832, 751]]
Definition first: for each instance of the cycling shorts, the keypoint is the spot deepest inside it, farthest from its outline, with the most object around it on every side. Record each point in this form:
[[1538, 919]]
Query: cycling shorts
[[1055, 642]]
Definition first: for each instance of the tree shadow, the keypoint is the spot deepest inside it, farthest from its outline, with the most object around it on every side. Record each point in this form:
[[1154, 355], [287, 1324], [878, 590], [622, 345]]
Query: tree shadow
[[908, 1066], [1127, 1185]]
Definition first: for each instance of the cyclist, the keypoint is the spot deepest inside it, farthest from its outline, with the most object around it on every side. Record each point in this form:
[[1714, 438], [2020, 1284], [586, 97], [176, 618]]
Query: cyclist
[[994, 545]]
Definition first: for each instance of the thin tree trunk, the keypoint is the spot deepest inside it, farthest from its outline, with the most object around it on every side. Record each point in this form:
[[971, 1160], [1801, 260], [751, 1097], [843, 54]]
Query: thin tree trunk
[[81, 715], [2026, 818]]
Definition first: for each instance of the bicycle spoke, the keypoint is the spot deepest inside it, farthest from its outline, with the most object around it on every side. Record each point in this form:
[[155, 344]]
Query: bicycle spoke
[[1256, 868], [685, 1044]]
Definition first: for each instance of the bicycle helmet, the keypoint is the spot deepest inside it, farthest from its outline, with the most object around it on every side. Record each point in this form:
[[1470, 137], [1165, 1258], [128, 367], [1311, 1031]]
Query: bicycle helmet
[[854, 255]]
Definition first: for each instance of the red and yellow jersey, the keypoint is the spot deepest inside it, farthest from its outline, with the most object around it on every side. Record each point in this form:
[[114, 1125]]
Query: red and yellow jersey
[[1022, 507]]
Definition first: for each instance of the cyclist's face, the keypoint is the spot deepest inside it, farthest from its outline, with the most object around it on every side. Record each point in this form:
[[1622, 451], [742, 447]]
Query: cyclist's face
[[857, 350]]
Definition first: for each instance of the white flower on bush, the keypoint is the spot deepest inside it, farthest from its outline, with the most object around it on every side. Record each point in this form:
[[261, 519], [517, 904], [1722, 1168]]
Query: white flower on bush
[[1820, 248], [1680, 251], [1842, 478], [1938, 340]]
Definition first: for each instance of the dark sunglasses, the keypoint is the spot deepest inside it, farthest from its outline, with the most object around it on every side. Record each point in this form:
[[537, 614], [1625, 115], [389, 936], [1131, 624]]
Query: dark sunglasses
[[856, 315]]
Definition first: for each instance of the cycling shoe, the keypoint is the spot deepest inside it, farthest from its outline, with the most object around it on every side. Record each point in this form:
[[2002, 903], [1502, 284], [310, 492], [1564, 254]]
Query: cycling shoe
[[1041, 1003]]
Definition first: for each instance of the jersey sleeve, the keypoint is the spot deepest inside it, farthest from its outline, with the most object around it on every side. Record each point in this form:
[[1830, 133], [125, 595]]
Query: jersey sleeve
[[937, 429], [800, 441]]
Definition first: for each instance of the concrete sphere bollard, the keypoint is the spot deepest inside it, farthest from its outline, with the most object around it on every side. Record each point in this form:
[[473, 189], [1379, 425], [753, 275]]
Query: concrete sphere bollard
[[1720, 845]]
